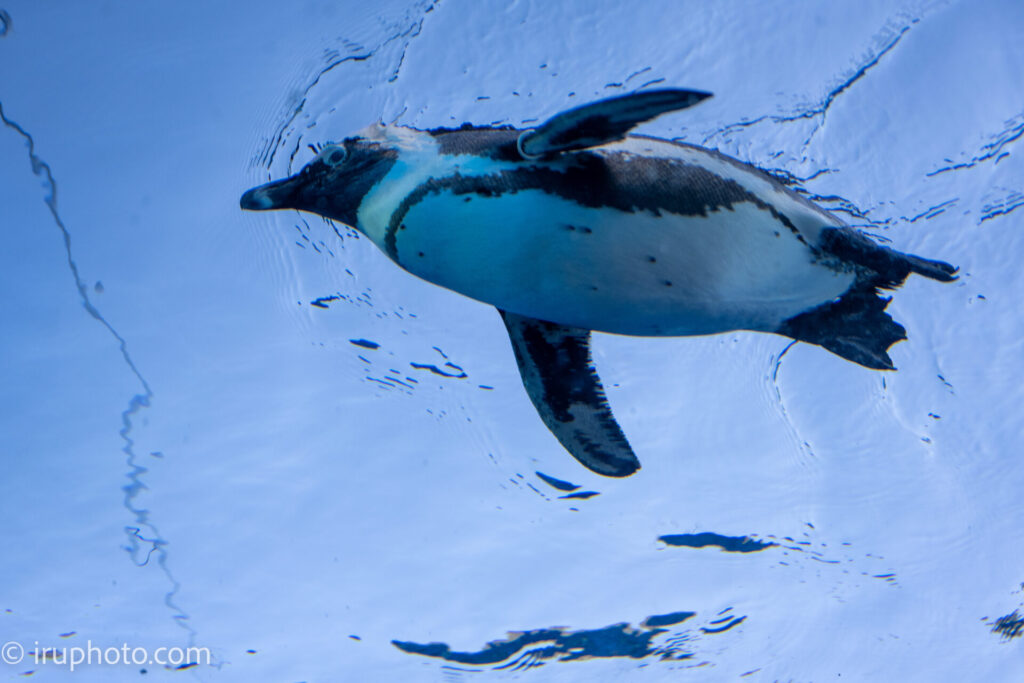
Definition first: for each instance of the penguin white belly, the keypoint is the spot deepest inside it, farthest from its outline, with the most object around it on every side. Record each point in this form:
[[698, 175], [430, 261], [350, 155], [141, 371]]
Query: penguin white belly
[[539, 255]]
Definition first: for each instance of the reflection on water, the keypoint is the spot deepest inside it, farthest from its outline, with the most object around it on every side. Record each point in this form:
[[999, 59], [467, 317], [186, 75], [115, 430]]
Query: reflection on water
[[523, 650], [730, 544], [1010, 626]]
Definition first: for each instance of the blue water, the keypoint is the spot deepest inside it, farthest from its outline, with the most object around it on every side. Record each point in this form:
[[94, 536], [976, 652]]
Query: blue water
[[254, 434]]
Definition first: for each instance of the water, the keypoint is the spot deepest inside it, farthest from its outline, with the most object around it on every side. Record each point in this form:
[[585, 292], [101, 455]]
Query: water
[[254, 434]]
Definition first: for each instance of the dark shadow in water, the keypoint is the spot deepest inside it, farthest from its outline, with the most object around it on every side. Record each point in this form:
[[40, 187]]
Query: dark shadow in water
[[458, 374], [323, 301], [1010, 626], [581, 495], [527, 649], [657, 620], [730, 544], [723, 624], [559, 484]]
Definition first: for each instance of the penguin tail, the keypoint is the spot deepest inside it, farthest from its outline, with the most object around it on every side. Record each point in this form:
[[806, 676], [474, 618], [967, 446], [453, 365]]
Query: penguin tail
[[936, 270], [883, 267], [854, 326]]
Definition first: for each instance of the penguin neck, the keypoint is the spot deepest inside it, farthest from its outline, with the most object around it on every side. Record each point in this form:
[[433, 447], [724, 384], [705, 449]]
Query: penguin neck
[[419, 162], [412, 169]]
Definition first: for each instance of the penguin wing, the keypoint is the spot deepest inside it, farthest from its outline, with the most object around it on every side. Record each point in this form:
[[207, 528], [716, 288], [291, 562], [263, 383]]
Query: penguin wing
[[557, 371], [604, 121]]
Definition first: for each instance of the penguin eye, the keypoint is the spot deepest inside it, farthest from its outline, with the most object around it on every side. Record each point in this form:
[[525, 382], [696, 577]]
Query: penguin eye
[[334, 155]]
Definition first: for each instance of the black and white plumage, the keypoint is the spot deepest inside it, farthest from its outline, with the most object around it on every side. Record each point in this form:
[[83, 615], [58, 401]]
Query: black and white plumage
[[577, 226]]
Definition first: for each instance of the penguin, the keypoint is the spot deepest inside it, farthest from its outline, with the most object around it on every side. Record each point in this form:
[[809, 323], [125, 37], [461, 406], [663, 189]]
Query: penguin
[[579, 225]]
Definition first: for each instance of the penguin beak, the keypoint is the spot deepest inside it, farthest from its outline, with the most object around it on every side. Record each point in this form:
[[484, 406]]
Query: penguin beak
[[279, 194]]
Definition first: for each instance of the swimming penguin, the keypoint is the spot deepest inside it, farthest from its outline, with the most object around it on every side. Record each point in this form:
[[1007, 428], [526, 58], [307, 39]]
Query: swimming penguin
[[576, 226]]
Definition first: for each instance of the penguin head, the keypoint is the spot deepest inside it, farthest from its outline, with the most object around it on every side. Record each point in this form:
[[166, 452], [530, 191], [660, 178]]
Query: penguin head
[[332, 185]]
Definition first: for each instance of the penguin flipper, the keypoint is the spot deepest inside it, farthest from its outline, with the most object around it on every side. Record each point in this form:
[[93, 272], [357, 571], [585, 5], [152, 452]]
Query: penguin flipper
[[604, 121], [558, 374]]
